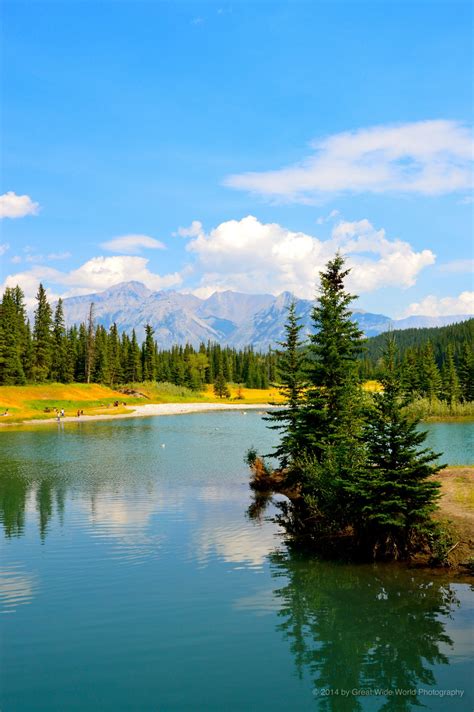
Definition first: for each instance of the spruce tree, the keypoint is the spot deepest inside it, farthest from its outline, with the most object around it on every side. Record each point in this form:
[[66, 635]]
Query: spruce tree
[[392, 497], [61, 363], [133, 371], [115, 366], [430, 378], [28, 356], [81, 366], [450, 380], [12, 341], [291, 385], [332, 407], [42, 337], [90, 345], [148, 355], [221, 389], [466, 373], [101, 370], [329, 449], [21, 324]]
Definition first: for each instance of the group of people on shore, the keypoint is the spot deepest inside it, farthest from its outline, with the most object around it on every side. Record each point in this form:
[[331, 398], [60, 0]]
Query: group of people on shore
[[61, 413]]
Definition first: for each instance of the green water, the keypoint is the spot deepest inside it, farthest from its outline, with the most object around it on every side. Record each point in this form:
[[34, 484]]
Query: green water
[[132, 579]]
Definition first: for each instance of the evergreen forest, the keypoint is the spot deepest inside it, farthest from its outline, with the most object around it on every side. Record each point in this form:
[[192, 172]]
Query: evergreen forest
[[434, 364]]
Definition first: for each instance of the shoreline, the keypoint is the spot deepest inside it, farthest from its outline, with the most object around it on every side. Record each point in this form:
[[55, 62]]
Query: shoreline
[[146, 410]]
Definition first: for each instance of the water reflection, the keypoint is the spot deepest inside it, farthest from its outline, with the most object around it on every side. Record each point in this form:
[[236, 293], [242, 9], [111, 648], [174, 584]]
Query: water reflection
[[13, 492], [16, 588], [361, 628], [80, 506]]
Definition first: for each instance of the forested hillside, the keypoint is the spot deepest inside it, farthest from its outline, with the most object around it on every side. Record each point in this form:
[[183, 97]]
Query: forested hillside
[[440, 337], [434, 362]]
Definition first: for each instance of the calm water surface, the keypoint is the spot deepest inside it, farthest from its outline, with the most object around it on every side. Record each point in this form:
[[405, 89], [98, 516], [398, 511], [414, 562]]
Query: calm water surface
[[132, 579]]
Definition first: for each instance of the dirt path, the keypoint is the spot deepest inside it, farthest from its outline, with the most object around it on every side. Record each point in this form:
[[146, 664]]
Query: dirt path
[[457, 498], [456, 506]]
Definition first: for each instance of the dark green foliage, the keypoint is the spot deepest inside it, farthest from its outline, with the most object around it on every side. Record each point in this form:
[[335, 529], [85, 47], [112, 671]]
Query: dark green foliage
[[101, 370], [392, 497], [148, 355], [291, 384], [332, 403], [435, 363], [466, 373], [42, 337], [350, 629], [360, 482], [61, 361], [13, 338], [114, 348], [89, 353], [451, 389], [220, 386], [133, 365], [430, 377], [414, 339]]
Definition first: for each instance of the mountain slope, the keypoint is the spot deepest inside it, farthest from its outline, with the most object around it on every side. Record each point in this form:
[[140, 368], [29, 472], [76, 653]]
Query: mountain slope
[[227, 317]]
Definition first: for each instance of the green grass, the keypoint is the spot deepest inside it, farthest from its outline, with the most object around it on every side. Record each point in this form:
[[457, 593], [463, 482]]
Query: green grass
[[436, 409]]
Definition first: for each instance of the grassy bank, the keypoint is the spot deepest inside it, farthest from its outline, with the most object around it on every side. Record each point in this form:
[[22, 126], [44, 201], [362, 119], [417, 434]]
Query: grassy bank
[[436, 409], [33, 401], [38, 401], [456, 511]]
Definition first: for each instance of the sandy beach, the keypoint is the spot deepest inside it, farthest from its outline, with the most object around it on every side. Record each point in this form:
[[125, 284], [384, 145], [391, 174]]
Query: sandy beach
[[149, 409]]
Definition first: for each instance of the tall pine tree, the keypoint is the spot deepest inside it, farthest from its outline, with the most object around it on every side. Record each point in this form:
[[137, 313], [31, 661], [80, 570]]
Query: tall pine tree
[[451, 390], [332, 407], [42, 337], [61, 361], [12, 341], [291, 360]]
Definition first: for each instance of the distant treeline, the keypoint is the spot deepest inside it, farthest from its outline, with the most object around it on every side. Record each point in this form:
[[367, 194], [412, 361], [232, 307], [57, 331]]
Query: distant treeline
[[434, 362], [48, 351]]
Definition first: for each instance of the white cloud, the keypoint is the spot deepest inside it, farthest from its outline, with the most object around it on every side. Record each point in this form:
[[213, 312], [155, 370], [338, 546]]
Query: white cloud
[[53, 256], [444, 306], [4, 247], [17, 206], [251, 256], [424, 157], [99, 273], [458, 266], [132, 244], [192, 231], [95, 275], [39, 259], [29, 281], [326, 218]]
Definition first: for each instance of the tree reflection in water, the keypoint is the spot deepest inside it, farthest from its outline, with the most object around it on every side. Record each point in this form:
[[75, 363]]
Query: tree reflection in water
[[13, 492], [362, 628]]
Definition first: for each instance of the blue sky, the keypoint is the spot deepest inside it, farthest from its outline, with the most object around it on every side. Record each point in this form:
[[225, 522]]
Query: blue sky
[[279, 131]]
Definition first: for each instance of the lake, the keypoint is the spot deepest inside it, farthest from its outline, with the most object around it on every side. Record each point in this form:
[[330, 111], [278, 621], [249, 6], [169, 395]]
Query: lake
[[133, 579]]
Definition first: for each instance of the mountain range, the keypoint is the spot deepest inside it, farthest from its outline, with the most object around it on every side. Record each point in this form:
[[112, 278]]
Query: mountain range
[[229, 318]]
